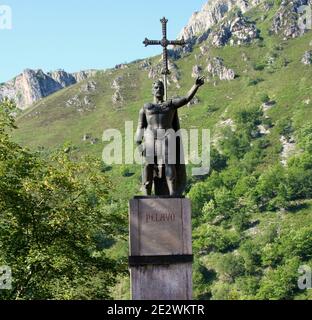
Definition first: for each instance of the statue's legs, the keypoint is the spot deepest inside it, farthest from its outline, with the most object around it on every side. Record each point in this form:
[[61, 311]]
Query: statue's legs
[[148, 179], [171, 177]]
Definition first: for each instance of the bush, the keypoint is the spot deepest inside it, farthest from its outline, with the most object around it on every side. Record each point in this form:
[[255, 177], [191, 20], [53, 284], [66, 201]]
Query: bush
[[199, 195], [264, 98], [271, 192], [224, 291], [235, 144], [281, 283], [254, 82], [259, 66], [285, 127], [305, 138], [209, 238], [230, 266], [251, 255], [218, 162]]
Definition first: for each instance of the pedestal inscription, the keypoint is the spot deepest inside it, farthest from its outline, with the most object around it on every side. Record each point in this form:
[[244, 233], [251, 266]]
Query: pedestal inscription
[[160, 227], [161, 245]]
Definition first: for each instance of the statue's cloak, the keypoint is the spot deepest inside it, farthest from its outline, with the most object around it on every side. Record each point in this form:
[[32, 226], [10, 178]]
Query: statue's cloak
[[160, 184]]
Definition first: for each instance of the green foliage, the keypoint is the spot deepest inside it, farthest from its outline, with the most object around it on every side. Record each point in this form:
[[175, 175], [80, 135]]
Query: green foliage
[[285, 127], [270, 192], [235, 144], [209, 238], [202, 279], [259, 66], [294, 243], [264, 98], [254, 82], [200, 194], [305, 137], [248, 119], [251, 255], [52, 212], [218, 161], [211, 109], [126, 171], [280, 283], [224, 291], [230, 266]]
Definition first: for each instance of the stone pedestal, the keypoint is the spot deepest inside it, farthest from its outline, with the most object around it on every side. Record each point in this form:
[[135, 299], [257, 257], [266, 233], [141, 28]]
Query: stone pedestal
[[160, 248]]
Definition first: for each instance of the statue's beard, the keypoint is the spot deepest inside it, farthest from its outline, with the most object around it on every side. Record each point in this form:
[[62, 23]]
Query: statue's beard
[[159, 95]]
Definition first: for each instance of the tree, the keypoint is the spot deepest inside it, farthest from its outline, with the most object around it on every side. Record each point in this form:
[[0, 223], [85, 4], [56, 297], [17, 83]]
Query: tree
[[51, 213]]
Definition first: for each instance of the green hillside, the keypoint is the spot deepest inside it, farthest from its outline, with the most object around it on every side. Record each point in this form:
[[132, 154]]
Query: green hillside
[[251, 216]]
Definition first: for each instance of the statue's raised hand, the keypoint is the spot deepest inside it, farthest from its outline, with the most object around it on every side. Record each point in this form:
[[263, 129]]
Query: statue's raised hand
[[200, 81]]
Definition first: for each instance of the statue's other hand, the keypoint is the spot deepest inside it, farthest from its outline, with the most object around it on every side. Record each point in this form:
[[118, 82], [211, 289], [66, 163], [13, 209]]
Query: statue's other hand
[[200, 81]]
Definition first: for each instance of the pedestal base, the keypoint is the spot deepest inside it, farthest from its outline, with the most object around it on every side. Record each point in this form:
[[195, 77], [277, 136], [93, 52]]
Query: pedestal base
[[172, 282]]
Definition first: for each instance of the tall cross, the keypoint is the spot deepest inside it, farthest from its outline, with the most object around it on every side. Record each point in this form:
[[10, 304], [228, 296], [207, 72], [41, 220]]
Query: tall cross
[[164, 43]]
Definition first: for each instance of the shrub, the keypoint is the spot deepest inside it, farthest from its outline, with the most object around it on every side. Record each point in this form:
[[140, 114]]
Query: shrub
[[264, 98], [209, 238]]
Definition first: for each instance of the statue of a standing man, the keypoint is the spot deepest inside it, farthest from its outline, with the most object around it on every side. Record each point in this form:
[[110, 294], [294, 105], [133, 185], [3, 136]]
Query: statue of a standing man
[[158, 123]]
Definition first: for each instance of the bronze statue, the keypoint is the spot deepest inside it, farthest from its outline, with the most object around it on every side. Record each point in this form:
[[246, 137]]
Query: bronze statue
[[158, 125], [157, 121]]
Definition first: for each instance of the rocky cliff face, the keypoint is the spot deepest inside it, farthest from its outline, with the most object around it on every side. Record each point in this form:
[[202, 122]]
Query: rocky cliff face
[[33, 85], [214, 21], [213, 12], [287, 17], [236, 31]]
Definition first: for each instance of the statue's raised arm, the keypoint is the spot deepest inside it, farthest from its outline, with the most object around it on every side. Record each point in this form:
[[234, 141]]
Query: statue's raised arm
[[180, 102]]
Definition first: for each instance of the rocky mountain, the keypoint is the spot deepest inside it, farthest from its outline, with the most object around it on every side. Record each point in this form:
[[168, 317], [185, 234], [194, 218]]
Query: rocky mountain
[[223, 22], [219, 23], [213, 12], [33, 85]]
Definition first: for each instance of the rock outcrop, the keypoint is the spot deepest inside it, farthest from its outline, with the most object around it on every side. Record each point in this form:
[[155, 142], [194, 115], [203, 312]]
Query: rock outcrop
[[117, 97], [217, 68], [83, 75], [63, 78], [212, 13], [155, 72], [307, 58], [286, 20], [33, 85], [197, 71], [237, 31], [289, 149]]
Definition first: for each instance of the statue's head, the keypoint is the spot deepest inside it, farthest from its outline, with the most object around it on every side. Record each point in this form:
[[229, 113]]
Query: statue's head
[[158, 89]]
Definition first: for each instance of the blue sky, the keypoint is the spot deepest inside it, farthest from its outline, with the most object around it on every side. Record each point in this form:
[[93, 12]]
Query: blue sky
[[76, 35]]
